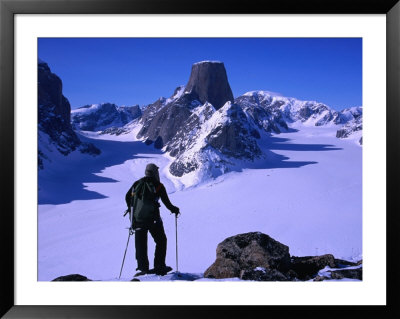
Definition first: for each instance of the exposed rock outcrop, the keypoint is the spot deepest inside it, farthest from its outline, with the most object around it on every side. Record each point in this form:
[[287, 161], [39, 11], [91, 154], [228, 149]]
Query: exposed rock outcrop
[[263, 274], [350, 128], [347, 273], [307, 267], [236, 137], [73, 277], [208, 82], [55, 130], [54, 111], [240, 255], [167, 121], [264, 112], [256, 256]]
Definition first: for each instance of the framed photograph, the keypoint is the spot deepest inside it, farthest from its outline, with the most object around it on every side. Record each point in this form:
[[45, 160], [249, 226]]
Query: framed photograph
[[257, 143]]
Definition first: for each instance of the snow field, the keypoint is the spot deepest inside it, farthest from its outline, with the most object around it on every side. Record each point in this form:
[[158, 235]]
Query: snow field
[[310, 201]]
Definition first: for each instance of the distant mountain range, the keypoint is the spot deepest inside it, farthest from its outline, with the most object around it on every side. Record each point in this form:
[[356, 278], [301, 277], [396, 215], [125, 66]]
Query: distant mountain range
[[202, 126], [98, 117]]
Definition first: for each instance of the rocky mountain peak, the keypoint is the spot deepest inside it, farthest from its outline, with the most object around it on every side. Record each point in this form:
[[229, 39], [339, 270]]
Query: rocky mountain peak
[[208, 82], [54, 127]]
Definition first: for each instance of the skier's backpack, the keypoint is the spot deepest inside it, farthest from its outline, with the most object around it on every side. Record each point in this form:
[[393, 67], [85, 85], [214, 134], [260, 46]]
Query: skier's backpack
[[145, 201]]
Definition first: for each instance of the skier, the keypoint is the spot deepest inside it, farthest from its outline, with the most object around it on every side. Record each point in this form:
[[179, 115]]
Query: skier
[[143, 197]]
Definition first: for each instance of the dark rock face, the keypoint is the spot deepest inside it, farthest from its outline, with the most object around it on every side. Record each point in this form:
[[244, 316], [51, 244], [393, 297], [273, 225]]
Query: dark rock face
[[166, 122], [54, 118], [165, 117], [149, 112], [229, 135], [239, 255], [208, 82], [236, 138], [133, 112], [307, 267], [187, 136], [54, 111], [341, 133], [74, 277]]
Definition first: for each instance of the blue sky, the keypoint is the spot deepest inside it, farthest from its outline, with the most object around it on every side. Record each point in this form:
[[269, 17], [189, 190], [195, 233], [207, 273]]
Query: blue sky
[[128, 71]]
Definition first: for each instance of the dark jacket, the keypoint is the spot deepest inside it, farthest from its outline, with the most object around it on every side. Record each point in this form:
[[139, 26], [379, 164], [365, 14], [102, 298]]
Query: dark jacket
[[161, 193]]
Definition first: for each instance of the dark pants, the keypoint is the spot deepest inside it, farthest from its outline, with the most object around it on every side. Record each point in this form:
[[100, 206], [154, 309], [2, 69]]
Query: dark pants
[[156, 230]]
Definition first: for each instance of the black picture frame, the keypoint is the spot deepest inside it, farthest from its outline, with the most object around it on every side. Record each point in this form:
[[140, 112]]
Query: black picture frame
[[8, 10]]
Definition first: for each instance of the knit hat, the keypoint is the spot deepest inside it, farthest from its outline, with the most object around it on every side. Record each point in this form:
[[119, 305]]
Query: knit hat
[[152, 171]]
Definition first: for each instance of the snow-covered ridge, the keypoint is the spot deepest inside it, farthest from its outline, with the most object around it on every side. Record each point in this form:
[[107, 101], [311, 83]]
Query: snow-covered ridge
[[87, 109], [292, 110], [262, 92], [295, 104], [98, 117], [179, 91], [207, 61]]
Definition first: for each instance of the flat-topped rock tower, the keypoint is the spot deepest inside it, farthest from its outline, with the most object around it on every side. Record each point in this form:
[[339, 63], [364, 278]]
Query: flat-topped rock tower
[[208, 82]]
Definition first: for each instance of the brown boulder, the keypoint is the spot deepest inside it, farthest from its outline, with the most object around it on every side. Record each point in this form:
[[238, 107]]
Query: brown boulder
[[240, 254]]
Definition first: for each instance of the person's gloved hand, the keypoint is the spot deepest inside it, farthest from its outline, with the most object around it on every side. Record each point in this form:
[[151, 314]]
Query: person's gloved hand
[[176, 211]]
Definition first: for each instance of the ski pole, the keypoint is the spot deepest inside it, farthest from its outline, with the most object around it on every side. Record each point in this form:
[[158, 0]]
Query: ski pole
[[123, 260], [176, 240]]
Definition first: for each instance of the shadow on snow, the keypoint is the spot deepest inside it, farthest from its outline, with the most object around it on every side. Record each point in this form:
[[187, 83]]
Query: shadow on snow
[[66, 185], [280, 143], [275, 160]]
